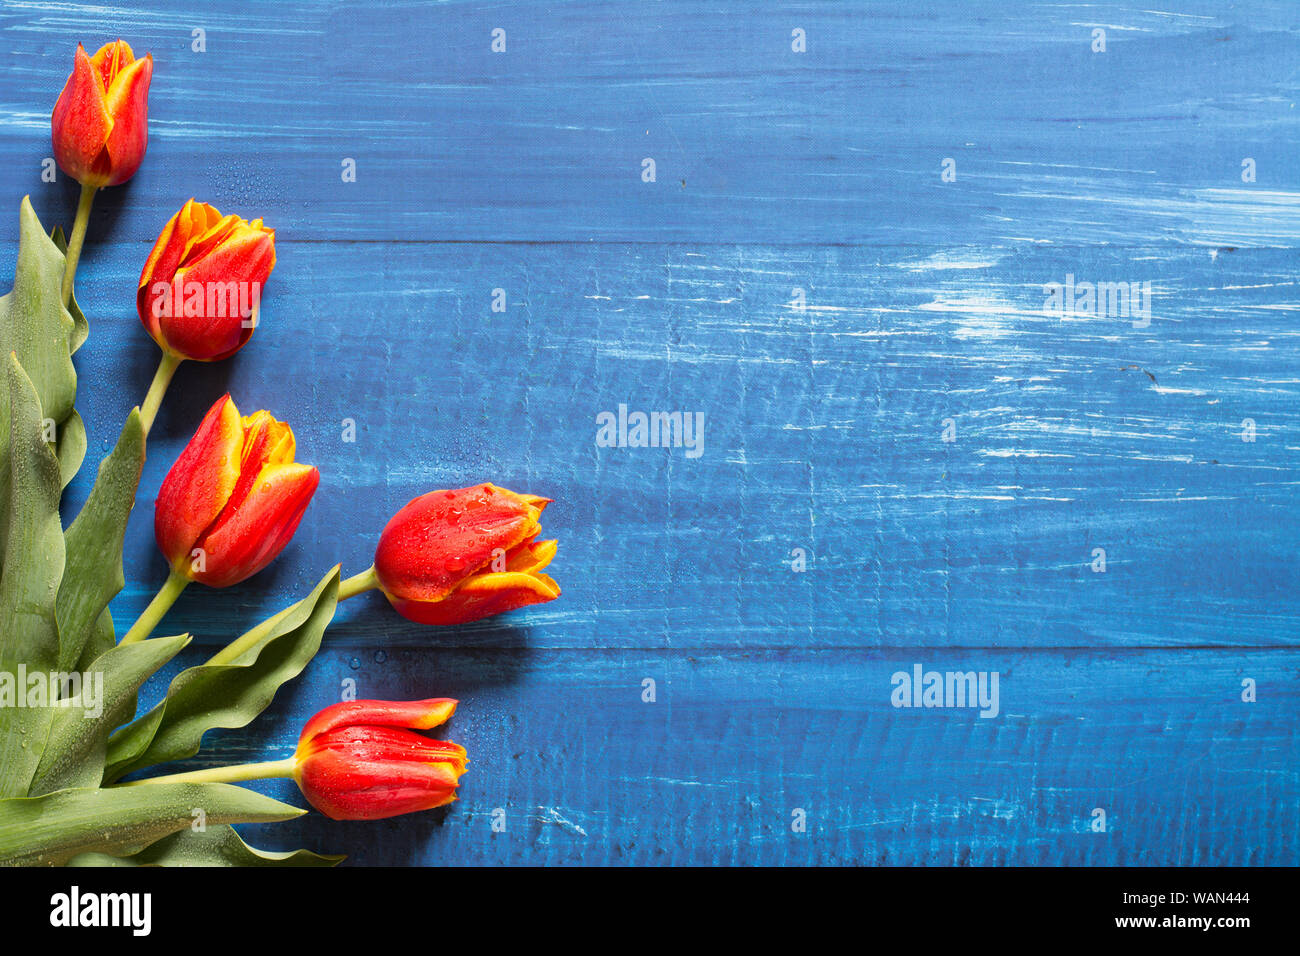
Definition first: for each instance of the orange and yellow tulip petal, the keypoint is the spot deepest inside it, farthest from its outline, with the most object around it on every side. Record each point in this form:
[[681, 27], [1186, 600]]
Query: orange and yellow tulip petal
[[482, 596], [250, 532], [81, 121], [127, 100], [412, 714], [111, 58], [531, 556], [199, 483]]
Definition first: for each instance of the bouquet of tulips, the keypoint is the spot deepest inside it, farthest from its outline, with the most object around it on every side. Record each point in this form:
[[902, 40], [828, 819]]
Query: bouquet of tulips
[[75, 756]]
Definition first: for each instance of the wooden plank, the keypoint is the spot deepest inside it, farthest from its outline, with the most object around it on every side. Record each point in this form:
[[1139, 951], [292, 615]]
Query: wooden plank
[[713, 770], [752, 141]]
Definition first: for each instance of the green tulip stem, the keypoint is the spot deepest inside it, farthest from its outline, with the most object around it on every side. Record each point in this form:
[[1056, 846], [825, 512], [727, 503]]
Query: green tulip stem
[[349, 587], [161, 603], [232, 774], [75, 240], [367, 580], [158, 388]]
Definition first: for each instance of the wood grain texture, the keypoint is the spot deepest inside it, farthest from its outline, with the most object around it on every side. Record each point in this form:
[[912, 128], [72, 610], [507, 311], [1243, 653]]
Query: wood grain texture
[[924, 305]]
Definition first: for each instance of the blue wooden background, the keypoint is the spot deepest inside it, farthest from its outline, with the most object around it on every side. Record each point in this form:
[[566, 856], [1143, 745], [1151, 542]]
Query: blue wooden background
[[776, 170]]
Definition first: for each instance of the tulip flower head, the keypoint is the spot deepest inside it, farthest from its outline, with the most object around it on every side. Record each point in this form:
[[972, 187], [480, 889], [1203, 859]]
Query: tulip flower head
[[363, 760], [450, 557], [101, 120], [201, 287], [233, 499]]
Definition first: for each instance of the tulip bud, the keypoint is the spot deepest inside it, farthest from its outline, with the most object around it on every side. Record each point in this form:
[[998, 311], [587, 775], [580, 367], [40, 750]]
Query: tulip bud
[[201, 287], [233, 499], [101, 120], [362, 760], [450, 557]]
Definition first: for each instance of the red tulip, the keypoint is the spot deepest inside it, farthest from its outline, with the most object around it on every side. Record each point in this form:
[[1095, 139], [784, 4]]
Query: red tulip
[[201, 286], [101, 120], [234, 497], [450, 557], [362, 760]]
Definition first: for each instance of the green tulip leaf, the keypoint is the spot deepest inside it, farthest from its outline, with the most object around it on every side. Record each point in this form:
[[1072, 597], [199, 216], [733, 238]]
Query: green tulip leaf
[[120, 821], [94, 542], [215, 846], [29, 580], [225, 695], [70, 447], [35, 326], [102, 640], [71, 444], [33, 321], [78, 739]]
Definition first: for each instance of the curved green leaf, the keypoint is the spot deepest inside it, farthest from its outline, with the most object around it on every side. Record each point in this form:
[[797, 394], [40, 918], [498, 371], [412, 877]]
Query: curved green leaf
[[94, 542], [78, 738], [35, 325], [33, 566], [71, 445], [102, 640], [33, 321], [226, 695], [70, 448], [120, 821], [215, 846]]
